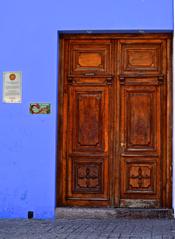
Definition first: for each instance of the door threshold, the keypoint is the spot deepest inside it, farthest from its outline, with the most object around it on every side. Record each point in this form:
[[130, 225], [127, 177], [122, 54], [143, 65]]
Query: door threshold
[[112, 213]]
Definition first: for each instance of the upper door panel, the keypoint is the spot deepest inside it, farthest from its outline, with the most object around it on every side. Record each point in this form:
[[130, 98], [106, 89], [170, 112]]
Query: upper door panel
[[90, 58], [140, 56]]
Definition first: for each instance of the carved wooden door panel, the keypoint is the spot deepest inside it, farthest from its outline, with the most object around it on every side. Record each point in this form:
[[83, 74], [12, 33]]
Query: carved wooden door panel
[[87, 173], [140, 145], [87, 91], [142, 109]]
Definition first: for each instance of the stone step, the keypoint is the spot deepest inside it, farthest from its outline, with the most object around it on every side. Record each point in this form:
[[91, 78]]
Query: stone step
[[111, 213]]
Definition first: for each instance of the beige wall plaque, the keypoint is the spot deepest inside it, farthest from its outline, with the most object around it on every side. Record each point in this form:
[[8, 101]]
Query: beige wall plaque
[[12, 87]]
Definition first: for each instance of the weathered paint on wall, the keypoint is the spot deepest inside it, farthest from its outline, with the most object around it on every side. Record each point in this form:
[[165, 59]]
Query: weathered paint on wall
[[28, 43]]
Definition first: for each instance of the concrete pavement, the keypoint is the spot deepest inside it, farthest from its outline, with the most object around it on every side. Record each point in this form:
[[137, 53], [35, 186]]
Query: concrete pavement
[[88, 229]]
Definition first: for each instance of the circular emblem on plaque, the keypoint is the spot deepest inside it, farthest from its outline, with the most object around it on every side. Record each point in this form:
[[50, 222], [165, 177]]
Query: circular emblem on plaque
[[12, 76]]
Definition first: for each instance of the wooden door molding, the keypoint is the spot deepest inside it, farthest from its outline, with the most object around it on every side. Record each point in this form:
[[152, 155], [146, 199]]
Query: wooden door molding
[[115, 120], [140, 145], [88, 143]]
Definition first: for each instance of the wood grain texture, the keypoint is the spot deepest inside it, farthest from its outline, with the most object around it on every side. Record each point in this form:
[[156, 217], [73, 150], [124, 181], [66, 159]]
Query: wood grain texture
[[115, 121], [141, 56], [90, 57], [140, 126]]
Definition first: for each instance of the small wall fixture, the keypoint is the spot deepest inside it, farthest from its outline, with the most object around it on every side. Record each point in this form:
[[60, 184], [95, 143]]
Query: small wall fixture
[[39, 108], [30, 214]]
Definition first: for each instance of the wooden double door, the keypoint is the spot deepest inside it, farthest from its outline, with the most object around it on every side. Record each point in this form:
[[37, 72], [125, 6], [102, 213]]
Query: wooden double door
[[114, 139]]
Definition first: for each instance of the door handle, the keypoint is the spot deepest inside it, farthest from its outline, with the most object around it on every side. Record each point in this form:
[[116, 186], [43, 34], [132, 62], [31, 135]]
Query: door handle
[[122, 144]]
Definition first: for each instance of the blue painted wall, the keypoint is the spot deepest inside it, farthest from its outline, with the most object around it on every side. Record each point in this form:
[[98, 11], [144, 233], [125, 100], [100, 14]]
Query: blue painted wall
[[28, 43]]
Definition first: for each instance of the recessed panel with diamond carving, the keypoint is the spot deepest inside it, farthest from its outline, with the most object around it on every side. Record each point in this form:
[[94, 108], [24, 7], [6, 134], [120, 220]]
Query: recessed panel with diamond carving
[[88, 177], [139, 176]]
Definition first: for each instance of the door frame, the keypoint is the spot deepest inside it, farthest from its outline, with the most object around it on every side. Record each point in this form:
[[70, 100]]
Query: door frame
[[167, 164]]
